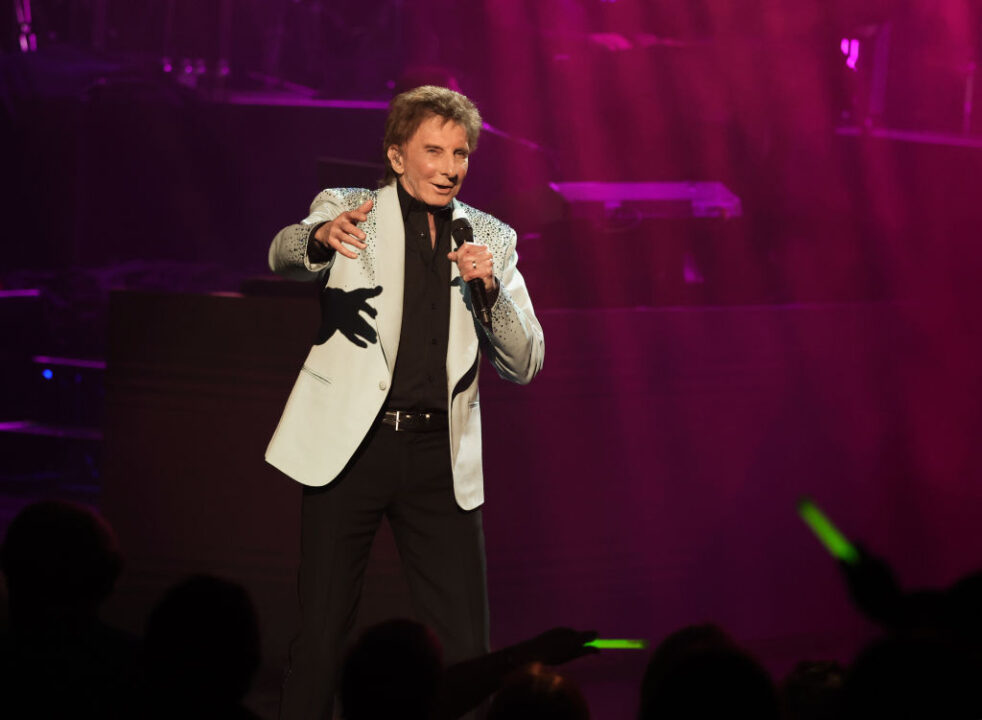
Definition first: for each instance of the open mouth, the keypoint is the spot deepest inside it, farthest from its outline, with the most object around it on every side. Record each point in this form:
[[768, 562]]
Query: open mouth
[[443, 188]]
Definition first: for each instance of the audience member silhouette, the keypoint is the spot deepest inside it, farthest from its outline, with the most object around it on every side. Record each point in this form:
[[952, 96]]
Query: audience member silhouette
[[877, 594], [699, 672], [394, 670], [469, 683], [813, 691], [874, 589], [907, 677], [61, 561], [202, 650], [535, 693], [930, 661], [961, 621]]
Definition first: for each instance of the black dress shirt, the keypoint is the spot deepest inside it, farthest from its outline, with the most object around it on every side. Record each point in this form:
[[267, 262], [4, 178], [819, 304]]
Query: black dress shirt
[[420, 378]]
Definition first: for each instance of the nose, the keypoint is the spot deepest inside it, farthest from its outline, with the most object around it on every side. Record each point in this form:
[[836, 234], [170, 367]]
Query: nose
[[449, 169]]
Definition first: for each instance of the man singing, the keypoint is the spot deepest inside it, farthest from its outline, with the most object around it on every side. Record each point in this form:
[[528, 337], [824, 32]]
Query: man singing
[[384, 417]]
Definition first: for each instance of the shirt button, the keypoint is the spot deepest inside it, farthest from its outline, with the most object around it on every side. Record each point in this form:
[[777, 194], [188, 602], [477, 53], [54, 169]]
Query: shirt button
[[382, 385], [433, 341]]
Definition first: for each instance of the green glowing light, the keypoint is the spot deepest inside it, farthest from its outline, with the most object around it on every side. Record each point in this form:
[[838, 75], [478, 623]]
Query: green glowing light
[[616, 644], [833, 540]]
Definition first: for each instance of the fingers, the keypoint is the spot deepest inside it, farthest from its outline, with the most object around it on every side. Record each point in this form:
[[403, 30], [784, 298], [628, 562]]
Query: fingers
[[333, 242], [360, 213], [343, 230], [347, 223], [476, 268], [474, 261], [336, 244], [560, 645], [585, 637]]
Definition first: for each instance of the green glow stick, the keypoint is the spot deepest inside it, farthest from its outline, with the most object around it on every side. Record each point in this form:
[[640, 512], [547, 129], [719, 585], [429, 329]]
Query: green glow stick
[[828, 534], [616, 644]]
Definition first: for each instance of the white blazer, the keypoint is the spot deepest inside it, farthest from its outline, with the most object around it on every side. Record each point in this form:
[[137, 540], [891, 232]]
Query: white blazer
[[342, 386]]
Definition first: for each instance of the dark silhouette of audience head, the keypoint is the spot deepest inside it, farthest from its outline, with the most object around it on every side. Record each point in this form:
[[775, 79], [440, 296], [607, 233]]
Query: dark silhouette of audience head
[[916, 677], [962, 614], [394, 670], [539, 694], [61, 561], [962, 629], [922, 611], [202, 647], [673, 649], [681, 644], [813, 691], [698, 672]]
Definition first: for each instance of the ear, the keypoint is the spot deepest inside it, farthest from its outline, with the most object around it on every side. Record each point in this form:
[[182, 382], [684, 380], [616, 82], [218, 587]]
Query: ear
[[394, 154]]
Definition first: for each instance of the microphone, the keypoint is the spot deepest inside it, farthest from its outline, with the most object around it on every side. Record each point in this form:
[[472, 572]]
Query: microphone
[[462, 232]]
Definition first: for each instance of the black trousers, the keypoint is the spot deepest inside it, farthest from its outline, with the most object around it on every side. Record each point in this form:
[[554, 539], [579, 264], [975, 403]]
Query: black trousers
[[405, 476]]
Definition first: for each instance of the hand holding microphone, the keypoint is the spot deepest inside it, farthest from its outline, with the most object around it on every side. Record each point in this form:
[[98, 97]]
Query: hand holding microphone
[[476, 266]]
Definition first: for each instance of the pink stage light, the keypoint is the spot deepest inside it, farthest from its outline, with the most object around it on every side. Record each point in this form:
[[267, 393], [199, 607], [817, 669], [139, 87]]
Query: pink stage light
[[850, 48], [27, 39]]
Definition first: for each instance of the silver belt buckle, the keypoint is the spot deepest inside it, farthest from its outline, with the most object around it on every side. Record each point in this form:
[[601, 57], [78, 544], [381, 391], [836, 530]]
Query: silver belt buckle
[[398, 413]]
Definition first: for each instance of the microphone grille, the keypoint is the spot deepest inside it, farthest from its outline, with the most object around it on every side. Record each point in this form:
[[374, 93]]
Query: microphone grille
[[461, 230]]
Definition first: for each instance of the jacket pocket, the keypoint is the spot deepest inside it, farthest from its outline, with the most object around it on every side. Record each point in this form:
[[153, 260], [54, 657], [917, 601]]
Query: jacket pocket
[[316, 376]]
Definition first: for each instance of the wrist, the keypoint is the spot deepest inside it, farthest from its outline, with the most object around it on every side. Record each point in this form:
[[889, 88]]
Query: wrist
[[317, 248]]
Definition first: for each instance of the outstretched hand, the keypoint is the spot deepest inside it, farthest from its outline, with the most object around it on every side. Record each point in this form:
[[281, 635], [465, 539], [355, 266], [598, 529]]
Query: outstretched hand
[[468, 683], [873, 588], [557, 646], [343, 230]]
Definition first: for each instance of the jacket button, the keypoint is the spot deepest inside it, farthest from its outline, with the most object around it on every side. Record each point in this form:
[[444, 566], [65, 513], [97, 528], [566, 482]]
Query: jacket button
[[382, 385]]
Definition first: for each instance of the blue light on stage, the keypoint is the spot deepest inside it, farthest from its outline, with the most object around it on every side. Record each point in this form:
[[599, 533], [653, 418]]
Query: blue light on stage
[[47, 373]]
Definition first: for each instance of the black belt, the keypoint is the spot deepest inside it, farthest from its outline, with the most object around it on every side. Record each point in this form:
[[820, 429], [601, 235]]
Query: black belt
[[415, 420]]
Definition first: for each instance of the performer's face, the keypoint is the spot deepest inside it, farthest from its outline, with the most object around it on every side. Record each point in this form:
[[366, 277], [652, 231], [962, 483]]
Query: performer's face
[[432, 165]]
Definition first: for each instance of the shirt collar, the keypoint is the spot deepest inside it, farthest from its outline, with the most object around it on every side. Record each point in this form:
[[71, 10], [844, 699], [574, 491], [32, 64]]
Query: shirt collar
[[410, 204]]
